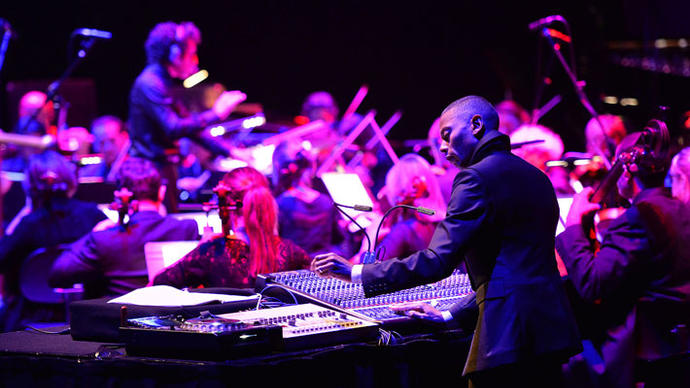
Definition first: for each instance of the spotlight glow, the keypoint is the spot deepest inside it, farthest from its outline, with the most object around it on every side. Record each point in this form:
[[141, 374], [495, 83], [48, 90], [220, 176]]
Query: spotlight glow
[[195, 79], [629, 101], [253, 122], [217, 131], [613, 100]]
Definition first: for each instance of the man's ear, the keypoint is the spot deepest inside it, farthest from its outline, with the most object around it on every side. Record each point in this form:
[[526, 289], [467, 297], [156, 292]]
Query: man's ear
[[477, 126]]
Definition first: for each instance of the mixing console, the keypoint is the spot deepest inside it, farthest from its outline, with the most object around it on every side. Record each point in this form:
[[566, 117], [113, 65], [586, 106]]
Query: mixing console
[[243, 333], [349, 296], [308, 323]]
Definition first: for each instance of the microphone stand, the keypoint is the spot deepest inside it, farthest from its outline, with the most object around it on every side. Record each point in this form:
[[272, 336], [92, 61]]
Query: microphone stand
[[51, 92], [579, 90]]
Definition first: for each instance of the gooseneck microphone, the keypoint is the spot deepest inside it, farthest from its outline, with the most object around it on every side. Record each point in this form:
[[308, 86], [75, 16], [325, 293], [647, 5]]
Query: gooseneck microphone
[[418, 209], [369, 254]]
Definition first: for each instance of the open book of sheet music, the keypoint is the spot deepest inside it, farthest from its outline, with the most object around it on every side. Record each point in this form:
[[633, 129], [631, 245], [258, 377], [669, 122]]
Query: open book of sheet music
[[172, 297]]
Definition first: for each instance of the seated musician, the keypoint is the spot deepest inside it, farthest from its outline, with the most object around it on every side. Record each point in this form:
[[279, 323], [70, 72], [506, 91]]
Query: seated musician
[[680, 175], [639, 278], [537, 154], [307, 216], [111, 139], [600, 143], [251, 247], [111, 261], [411, 182], [54, 218]]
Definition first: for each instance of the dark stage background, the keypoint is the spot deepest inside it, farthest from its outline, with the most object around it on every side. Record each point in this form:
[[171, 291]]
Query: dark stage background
[[415, 56]]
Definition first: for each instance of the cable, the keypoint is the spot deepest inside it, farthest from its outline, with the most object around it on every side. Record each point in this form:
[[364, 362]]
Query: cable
[[281, 287], [337, 206], [61, 332]]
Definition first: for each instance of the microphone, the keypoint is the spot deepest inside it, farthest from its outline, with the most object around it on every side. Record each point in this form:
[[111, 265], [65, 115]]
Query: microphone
[[545, 21], [418, 209], [368, 256], [426, 211], [93, 33]]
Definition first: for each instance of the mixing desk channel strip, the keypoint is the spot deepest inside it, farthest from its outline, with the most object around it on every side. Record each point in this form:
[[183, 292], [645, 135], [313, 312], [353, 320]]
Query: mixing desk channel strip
[[340, 295]]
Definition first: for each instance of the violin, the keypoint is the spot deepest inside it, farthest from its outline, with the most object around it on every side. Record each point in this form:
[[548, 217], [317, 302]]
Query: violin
[[650, 142], [226, 205], [123, 204]]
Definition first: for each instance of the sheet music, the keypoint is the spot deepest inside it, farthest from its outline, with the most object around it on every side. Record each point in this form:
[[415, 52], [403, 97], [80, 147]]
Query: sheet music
[[167, 296]]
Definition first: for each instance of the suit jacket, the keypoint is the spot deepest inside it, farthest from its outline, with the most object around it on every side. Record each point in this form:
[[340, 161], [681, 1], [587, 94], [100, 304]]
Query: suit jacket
[[112, 262], [501, 220], [66, 221], [156, 120], [640, 279]]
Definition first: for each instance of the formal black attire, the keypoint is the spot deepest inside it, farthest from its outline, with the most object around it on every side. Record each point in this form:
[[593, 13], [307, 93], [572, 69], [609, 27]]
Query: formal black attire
[[65, 221], [112, 261], [501, 220], [157, 120], [639, 280]]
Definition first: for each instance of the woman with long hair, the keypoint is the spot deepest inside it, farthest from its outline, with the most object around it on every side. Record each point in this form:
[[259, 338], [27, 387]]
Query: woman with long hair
[[251, 246]]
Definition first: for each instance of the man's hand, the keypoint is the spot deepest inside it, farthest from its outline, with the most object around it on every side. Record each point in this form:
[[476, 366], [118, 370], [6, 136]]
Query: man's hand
[[227, 102], [581, 206], [331, 265], [419, 310]]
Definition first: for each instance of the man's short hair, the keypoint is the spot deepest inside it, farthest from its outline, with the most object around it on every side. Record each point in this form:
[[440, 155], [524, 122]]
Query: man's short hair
[[476, 105], [141, 177], [102, 120], [165, 35]]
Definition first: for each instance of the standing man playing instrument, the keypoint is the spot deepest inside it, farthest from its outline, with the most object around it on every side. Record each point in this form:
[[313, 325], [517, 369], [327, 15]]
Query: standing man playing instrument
[[501, 221], [156, 120]]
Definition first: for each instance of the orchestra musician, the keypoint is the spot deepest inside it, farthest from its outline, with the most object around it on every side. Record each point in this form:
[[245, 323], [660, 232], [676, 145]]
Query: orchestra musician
[[307, 216], [55, 218], [251, 247], [156, 120], [111, 262], [680, 175], [639, 278], [411, 182]]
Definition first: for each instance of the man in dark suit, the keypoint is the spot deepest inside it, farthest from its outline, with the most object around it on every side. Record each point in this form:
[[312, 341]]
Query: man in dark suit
[[156, 118], [501, 220], [111, 261], [639, 279]]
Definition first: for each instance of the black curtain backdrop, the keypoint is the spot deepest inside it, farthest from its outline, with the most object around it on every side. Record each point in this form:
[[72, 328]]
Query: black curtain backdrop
[[415, 56]]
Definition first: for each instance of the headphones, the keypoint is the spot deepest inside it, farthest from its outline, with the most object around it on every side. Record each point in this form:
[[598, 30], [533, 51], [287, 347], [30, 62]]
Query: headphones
[[176, 47]]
